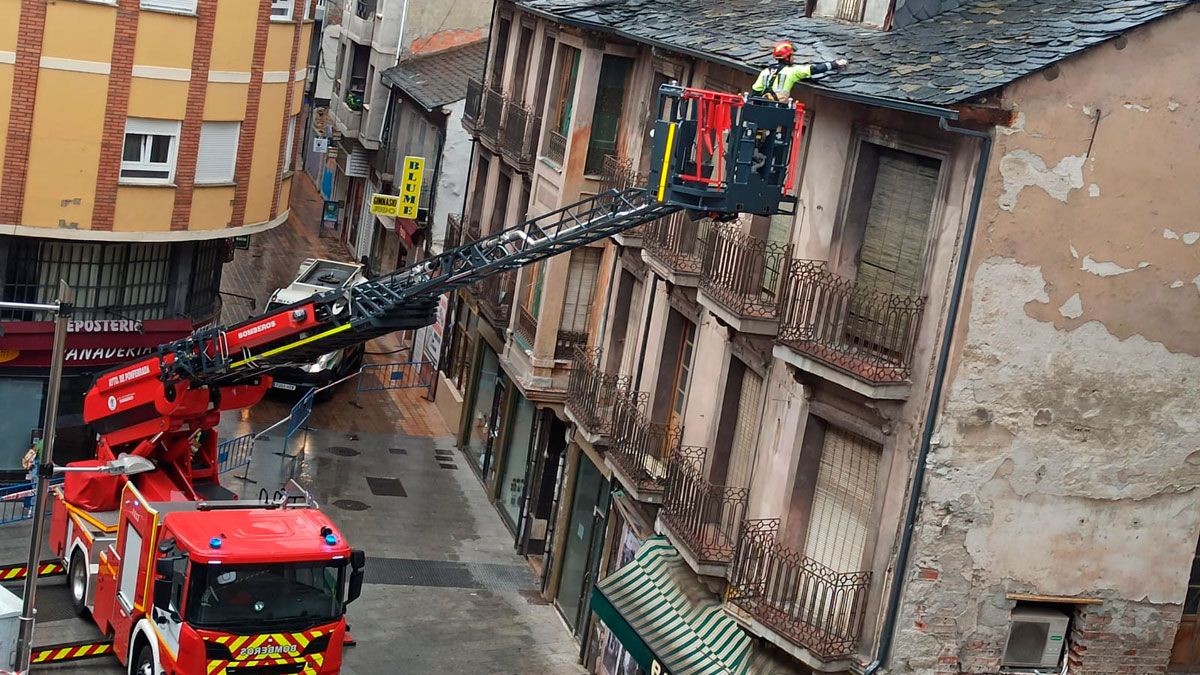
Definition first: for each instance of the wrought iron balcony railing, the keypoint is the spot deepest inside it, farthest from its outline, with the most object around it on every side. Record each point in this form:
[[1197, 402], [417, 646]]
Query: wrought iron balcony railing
[[567, 342], [454, 231], [706, 518], [472, 229], [554, 146], [795, 596], [677, 242], [743, 273], [594, 396], [518, 142], [641, 449], [864, 332], [492, 116], [365, 9], [526, 326], [495, 296], [472, 106], [619, 174]]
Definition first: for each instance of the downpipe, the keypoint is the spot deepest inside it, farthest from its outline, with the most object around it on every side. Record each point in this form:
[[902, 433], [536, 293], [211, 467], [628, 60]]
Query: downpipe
[[939, 380]]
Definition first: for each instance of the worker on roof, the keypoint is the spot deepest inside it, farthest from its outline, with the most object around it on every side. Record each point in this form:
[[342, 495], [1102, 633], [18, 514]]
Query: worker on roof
[[776, 81]]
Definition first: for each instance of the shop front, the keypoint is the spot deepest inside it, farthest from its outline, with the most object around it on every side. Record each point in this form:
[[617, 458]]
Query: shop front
[[514, 465], [486, 409], [583, 542]]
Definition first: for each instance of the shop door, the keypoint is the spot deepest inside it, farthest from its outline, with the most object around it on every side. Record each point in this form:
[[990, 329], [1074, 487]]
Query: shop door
[[516, 457], [578, 542], [482, 421], [496, 431]]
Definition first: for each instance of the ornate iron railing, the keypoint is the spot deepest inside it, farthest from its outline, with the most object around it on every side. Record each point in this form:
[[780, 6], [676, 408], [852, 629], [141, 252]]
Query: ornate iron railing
[[567, 342], [495, 296], [619, 174], [492, 115], [641, 448], [454, 231], [365, 9], [677, 242], [518, 142], [707, 518], [472, 106], [526, 327], [594, 396], [797, 597], [473, 229], [554, 147], [867, 333], [743, 273]]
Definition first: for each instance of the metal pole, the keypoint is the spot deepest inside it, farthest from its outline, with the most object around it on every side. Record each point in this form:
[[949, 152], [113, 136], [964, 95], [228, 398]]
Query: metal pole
[[45, 471]]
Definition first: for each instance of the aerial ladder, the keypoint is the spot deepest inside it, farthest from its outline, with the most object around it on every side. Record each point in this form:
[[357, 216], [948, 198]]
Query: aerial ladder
[[153, 557]]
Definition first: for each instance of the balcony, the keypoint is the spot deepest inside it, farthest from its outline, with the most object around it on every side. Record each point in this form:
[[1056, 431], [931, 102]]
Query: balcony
[[518, 140], [833, 326], [794, 597], [703, 520], [491, 117], [554, 146], [619, 174], [347, 110], [594, 396], [566, 342], [495, 297], [526, 327], [640, 450], [454, 231], [472, 106], [674, 247], [741, 278], [364, 9], [359, 24]]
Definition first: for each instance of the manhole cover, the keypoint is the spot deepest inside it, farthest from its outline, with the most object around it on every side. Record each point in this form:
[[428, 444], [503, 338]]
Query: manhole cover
[[351, 505], [343, 451]]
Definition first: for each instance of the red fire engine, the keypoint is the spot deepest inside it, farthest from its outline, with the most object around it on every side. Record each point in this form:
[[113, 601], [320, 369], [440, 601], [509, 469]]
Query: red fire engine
[[186, 579]]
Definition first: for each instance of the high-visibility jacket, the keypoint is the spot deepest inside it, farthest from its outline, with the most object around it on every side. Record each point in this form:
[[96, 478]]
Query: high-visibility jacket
[[777, 80]]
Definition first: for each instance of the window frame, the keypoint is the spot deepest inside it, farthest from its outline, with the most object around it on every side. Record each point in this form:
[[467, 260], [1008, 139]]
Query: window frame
[[289, 144], [287, 5], [170, 6], [150, 128], [232, 155]]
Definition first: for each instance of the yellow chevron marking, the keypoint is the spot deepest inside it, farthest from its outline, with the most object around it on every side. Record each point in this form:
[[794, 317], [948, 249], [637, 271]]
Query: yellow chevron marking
[[62, 653]]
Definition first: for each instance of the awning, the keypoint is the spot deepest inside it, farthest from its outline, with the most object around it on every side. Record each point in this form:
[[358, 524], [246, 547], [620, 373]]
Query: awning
[[659, 611]]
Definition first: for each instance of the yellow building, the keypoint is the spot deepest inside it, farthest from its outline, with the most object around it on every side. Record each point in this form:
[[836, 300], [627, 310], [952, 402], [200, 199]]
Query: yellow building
[[137, 137]]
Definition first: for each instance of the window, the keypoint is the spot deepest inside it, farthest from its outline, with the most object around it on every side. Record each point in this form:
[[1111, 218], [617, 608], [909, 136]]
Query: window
[[581, 283], [568, 70], [500, 53], [281, 10], [288, 142], [188, 6], [130, 558], [521, 64], [606, 115], [539, 97], [843, 500], [149, 153], [218, 152]]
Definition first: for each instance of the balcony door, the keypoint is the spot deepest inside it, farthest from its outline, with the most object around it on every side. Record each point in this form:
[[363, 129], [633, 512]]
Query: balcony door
[[745, 430], [839, 524], [683, 372], [606, 115]]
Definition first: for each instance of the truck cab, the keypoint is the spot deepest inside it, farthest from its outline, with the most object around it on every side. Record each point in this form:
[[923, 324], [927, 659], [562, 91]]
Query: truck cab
[[318, 276]]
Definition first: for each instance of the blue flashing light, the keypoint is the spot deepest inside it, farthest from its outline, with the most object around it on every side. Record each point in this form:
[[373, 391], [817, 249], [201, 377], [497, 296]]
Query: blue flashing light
[[331, 539], [215, 542]]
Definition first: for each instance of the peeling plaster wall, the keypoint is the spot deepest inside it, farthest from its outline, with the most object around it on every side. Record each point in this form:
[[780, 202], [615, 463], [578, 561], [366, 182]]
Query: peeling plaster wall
[[1066, 458]]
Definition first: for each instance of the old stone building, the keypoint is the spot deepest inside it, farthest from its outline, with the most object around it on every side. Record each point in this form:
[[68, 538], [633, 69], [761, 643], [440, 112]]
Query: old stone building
[[938, 421]]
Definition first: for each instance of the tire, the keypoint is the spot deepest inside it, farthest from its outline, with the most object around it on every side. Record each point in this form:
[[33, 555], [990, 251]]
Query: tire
[[77, 583], [142, 662]]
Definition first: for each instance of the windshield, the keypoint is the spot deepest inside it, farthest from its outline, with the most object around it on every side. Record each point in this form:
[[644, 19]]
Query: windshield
[[291, 594]]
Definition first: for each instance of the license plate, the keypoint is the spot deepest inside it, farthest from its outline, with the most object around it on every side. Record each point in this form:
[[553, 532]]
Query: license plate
[[284, 386]]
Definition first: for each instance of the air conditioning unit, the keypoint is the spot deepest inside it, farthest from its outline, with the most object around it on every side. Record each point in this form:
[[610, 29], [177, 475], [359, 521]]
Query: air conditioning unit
[[1036, 637]]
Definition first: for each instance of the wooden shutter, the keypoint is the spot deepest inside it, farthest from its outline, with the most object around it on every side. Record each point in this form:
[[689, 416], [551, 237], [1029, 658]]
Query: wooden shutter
[[217, 153], [843, 501], [633, 329], [581, 282], [745, 431], [893, 249]]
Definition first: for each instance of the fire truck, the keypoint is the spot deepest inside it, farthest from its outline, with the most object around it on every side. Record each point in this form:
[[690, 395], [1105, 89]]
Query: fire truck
[[183, 578]]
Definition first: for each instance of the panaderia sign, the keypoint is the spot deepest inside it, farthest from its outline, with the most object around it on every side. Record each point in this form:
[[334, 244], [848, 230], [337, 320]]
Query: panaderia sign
[[98, 342]]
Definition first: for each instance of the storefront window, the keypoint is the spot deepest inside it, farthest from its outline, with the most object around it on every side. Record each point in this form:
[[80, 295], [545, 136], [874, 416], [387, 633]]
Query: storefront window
[[516, 456], [589, 484], [484, 420], [21, 401]]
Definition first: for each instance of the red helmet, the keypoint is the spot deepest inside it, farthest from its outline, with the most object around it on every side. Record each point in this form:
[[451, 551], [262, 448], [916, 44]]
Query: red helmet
[[784, 50]]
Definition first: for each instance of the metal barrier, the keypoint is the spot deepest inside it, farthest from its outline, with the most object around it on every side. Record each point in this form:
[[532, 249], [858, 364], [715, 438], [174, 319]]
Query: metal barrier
[[16, 501], [297, 422], [235, 453], [401, 375]]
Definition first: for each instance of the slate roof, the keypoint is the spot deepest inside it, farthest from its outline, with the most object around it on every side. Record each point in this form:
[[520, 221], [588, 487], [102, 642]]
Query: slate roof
[[950, 57], [441, 78]]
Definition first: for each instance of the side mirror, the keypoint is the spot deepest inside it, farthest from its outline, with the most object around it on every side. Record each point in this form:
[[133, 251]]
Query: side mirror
[[162, 593], [356, 582], [164, 567], [358, 559]]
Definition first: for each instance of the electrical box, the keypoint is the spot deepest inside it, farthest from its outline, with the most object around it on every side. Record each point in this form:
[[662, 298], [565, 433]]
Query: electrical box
[[10, 622]]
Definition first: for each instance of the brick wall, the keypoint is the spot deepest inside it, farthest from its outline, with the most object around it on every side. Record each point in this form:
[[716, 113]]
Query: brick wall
[[297, 14], [245, 152], [20, 121], [116, 109], [1124, 638], [189, 140]]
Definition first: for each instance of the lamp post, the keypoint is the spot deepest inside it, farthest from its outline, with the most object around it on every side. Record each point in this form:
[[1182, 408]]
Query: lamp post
[[44, 469]]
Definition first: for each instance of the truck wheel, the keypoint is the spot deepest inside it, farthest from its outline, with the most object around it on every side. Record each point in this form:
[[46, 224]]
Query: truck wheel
[[77, 581], [143, 663]]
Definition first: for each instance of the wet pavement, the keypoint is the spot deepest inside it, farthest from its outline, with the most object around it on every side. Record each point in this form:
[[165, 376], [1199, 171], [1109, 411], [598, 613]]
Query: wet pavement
[[444, 592]]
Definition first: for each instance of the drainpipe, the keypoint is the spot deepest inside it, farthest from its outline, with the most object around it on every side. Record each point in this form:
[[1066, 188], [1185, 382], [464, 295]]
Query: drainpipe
[[939, 380]]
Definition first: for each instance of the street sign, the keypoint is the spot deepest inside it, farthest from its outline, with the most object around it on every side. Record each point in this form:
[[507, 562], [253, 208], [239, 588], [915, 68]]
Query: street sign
[[329, 213], [242, 242], [385, 205], [320, 145], [410, 186]]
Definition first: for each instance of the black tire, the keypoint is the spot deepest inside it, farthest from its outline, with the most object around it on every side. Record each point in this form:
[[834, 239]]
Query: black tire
[[142, 662], [77, 583]]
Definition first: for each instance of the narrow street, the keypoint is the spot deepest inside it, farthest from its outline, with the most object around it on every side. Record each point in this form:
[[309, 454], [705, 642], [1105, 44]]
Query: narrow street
[[444, 593]]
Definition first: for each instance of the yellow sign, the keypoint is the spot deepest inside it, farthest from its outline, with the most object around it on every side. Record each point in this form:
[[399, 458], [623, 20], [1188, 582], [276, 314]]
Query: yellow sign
[[385, 205], [410, 186], [7, 355]]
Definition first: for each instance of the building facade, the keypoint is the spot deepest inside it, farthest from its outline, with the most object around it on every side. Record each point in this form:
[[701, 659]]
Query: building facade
[[138, 138], [922, 422]]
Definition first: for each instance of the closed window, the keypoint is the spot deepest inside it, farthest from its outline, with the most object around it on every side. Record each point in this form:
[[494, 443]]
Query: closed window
[[218, 152], [148, 155], [281, 10], [287, 144], [581, 283], [170, 5]]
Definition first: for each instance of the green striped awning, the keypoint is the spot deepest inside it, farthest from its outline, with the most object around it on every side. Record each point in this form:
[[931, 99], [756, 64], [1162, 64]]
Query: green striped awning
[[659, 611]]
